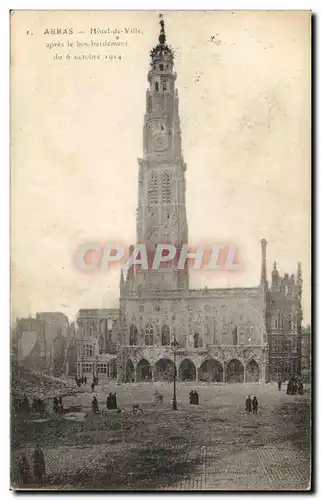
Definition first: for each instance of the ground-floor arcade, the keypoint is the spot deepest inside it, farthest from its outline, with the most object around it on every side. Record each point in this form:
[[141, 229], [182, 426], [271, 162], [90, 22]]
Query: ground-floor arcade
[[226, 365], [210, 370], [137, 364]]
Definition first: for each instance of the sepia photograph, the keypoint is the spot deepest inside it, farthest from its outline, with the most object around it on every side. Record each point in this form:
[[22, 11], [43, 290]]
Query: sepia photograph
[[160, 241]]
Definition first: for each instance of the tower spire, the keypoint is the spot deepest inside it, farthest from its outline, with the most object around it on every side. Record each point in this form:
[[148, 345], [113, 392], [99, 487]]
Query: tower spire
[[162, 35], [162, 50], [263, 262]]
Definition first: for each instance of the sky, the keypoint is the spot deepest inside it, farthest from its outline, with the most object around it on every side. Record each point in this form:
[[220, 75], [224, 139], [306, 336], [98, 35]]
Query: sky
[[243, 80]]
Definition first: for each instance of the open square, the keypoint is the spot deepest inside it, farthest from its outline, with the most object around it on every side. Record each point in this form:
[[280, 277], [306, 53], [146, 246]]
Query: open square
[[215, 445]]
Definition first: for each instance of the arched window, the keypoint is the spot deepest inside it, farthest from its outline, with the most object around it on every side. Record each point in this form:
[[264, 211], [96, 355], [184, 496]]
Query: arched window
[[153, 190], [166, 188], [149, 335], [133, 335], [165, 335]]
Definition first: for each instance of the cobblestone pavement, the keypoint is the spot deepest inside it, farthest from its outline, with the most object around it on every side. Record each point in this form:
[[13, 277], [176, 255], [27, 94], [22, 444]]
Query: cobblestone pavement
[[268, 468], [242, 451]]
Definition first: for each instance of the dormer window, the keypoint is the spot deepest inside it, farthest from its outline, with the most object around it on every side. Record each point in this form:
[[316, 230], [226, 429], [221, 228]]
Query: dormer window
[[162, 127], [161, 67]]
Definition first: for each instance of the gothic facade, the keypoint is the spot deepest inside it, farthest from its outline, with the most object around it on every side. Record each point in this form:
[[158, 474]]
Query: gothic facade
[[221, 335]]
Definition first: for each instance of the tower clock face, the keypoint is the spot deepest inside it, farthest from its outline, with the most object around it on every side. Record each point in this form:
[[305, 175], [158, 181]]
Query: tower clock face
[[160, 142]]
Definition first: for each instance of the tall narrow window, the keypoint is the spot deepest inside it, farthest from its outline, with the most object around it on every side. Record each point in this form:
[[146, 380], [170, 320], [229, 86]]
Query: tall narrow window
[[153, 190], [133, 335], [149, 335], [234, 333], [166, 188], [161, 67], [156, 86], [165, 335], [164, 86]]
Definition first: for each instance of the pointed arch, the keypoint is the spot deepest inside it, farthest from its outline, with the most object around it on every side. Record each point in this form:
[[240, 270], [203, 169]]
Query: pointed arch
[[187, 370], [164, 369], [143, 371], [234, 371], [252, 372], [211, 370]]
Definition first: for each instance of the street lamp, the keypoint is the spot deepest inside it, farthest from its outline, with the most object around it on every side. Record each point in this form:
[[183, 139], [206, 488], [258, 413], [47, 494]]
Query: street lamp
[[175, 346]]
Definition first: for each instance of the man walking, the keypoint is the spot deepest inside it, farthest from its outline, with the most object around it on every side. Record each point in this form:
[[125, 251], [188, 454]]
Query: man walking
[[248, 405], [255, 404]]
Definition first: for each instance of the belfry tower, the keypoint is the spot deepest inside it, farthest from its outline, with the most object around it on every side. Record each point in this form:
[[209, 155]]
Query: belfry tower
[[161, 214]]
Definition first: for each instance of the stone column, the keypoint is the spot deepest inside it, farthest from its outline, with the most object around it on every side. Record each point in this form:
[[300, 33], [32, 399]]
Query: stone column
[[263, 373], [197, 374], [224, 374], [153, 374]]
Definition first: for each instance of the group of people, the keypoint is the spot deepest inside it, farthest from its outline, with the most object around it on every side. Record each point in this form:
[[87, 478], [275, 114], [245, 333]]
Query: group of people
[[39, 467], [83, 381], [251, 405], [193, 398], [111, 402], [294, 387], [80, 381]]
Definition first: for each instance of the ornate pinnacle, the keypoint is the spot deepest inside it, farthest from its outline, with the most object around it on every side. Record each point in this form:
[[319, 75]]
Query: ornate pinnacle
[[162, 36], [161, 49]]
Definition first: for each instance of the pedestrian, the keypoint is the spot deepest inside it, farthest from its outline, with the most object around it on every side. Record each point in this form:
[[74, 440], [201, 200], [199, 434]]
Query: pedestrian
[[94, 405], [289, 387], [92, 387], [24, 469], [39, 466], [300, 388], [55, 405], [255, 404], [279, 383], [248, 405], [295, 388], [85, 380]]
